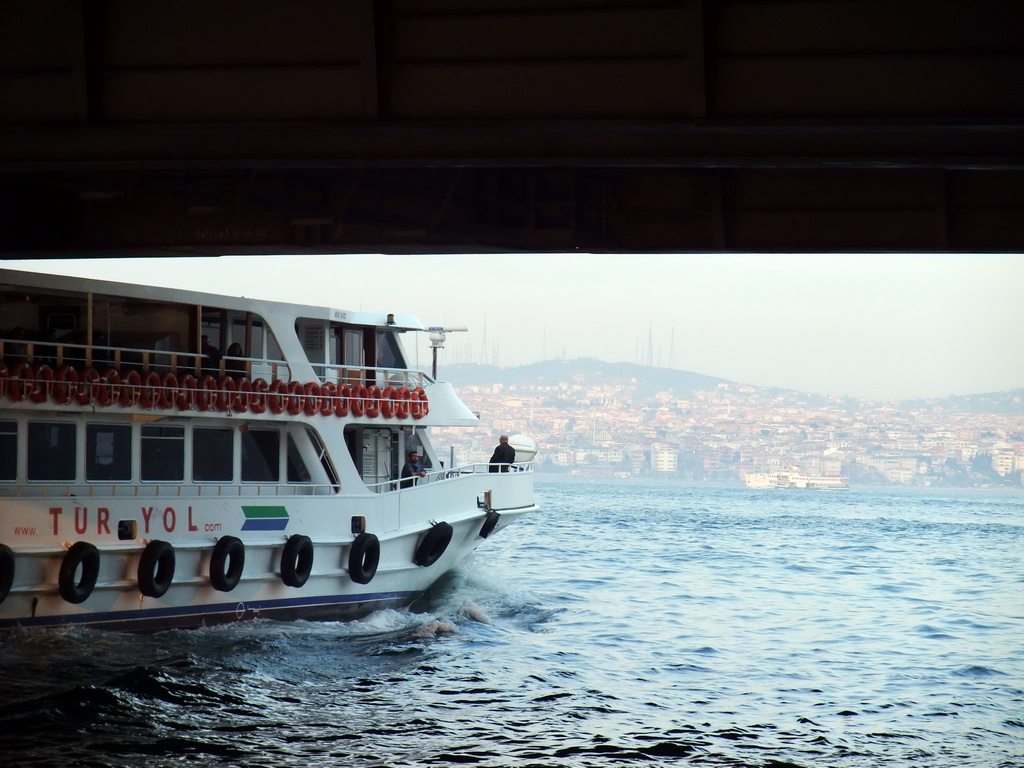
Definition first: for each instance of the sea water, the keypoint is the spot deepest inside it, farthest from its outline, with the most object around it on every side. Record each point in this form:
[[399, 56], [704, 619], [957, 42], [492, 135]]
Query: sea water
[[623, 625]]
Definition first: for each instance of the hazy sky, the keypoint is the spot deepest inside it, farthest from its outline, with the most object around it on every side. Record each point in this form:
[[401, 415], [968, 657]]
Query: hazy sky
[[879, 325]]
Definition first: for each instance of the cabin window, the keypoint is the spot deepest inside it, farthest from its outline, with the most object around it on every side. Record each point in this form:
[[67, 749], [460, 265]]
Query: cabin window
[[414, 443], [163, 453], [51, 451], [297, 472], [312, 335], [321, 451], [353, 347], [212, 455], [108, 452], [272, 350], [389, 352], [262, 344], [260, 451], [8, 450]]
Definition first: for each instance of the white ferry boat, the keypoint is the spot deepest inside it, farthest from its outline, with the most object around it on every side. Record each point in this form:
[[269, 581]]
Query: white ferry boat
[[793, 479], [148, 481]]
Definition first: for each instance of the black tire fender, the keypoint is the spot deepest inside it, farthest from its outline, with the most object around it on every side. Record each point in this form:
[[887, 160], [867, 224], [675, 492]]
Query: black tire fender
[[433, 544], [363, 558], [82, 555], [297, 560], [156, 568], [226, 563], [490, 520]]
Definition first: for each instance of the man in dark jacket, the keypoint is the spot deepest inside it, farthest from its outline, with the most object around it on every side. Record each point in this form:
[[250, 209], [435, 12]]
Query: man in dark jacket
[[504, 454], [412, 470]]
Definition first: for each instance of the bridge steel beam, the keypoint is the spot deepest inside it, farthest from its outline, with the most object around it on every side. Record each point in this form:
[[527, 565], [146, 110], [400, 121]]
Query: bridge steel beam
[[611, 125]]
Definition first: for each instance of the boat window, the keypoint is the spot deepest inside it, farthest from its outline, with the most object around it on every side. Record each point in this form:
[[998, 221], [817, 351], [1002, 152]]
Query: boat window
[[163, 453], [8, 450], [108, 452], [51, 451], [271, 349], [260, 451], [389, 351], [262, 345], [353, 347], [212, 455], [213, 320], [297, 472], [321, 452], [312, 335], [414, 443], [334, 345]]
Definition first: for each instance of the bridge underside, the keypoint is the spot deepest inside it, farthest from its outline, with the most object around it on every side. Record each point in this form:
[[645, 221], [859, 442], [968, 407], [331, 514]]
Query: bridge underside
[[220, 126]]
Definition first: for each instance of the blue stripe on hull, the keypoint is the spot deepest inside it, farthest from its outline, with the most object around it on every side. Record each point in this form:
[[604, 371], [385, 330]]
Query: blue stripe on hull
[[265, 524]]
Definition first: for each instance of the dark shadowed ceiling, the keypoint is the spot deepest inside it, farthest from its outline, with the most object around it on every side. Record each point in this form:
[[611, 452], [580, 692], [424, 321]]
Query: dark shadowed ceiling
[[218, 126]]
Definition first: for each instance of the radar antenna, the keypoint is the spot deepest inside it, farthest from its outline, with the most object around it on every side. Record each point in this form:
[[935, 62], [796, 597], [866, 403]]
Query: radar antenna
[[437, 339]]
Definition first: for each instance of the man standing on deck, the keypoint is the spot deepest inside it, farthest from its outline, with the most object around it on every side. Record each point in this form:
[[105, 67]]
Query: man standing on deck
[[412, 470], [504, 454]]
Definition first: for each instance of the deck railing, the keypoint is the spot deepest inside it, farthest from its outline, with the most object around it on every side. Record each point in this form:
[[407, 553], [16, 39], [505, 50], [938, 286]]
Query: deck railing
[[142, 360], [443, 474], [164, 490], [56, 356], [233, 490], [357, 375]]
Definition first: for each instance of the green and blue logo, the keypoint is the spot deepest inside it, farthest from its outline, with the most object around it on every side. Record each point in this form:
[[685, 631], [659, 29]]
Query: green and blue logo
[[265, 518]]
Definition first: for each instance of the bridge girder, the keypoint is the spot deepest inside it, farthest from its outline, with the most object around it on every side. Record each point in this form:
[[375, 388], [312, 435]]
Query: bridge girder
[[706, 125]]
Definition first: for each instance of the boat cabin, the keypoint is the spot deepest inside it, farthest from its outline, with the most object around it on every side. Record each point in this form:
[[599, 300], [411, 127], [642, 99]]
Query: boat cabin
[[171, 365]]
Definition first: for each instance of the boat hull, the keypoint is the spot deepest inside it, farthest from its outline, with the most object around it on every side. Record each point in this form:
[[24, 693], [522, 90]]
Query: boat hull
[[331, 590]]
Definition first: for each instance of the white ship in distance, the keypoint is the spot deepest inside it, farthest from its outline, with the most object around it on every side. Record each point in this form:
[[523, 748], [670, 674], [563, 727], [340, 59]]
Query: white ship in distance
[[792, 479]]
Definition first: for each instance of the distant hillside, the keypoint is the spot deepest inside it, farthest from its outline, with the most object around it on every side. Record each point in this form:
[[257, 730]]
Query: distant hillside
[[589, 369], [592, 371], [1011, 401]]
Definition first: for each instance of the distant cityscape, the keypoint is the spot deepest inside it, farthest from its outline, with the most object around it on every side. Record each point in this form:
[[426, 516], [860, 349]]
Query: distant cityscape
[[596, 419]]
